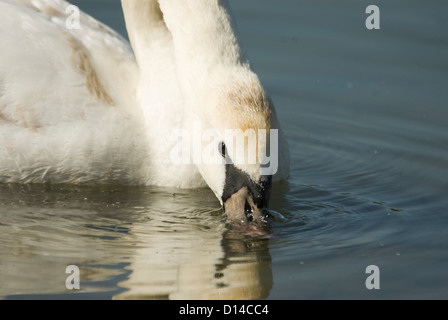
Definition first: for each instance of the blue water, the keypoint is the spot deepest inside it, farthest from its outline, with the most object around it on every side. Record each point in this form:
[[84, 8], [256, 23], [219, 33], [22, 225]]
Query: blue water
[[366, 116]]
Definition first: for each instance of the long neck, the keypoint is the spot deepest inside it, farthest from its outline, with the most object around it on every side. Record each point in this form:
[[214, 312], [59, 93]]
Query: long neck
[[158, 90], [203, 38], [146, 30]]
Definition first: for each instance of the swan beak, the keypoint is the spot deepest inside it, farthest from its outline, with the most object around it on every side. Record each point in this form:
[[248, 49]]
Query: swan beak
[[244, 199], [241, 206]]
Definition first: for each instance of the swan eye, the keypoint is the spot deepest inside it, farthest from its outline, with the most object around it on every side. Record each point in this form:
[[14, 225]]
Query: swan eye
[[222, 149]]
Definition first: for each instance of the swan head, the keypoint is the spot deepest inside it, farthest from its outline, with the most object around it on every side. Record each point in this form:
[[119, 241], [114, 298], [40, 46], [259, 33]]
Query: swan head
[[240, 146]]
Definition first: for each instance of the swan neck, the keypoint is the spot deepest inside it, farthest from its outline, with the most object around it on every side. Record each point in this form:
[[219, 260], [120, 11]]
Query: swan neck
[[146, 29], [204, 39]]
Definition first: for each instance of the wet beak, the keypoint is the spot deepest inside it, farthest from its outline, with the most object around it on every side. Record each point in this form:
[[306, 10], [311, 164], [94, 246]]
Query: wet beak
[[245, 199], [243, 206]]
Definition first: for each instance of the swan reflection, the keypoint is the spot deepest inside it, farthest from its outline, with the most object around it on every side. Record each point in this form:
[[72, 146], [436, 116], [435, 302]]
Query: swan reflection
[[129, 243], [185, 253]]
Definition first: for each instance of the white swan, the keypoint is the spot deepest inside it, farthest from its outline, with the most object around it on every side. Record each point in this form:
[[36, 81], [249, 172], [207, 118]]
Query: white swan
[[77, 105]]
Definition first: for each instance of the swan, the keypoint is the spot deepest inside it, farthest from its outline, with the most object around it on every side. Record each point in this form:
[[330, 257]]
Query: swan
[[80, 104]]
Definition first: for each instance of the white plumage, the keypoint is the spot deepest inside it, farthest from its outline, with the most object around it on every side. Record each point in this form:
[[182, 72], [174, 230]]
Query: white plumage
[[78, 106]]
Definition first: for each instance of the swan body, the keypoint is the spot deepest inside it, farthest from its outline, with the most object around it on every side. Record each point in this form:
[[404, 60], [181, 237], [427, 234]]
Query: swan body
[[80, 105]]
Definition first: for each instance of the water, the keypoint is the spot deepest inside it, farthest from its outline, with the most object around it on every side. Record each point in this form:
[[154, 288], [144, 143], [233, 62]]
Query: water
[[366, 117]]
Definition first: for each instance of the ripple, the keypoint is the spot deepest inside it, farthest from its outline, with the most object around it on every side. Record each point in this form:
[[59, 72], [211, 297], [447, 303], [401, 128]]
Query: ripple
[[317, 217]]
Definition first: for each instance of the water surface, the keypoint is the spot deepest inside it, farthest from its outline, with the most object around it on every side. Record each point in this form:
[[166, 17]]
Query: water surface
[[366, 116]]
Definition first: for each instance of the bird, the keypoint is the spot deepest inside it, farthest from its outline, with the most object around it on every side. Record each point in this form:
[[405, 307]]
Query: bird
[[177, 105]]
